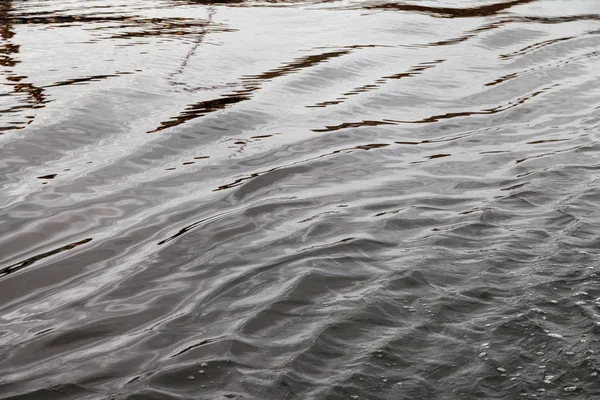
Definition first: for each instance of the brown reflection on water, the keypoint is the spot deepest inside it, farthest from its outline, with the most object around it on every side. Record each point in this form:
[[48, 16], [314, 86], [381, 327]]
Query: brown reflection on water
[[129, 27], [533, 47], [31, 260], [416, 70], [93, 78], [34, 95], [249, 84], [439, 117], [449, 12], [165, 27]]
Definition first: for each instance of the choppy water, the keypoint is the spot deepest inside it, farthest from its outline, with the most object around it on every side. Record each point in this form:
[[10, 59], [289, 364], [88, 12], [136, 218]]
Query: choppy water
[[299, 200]]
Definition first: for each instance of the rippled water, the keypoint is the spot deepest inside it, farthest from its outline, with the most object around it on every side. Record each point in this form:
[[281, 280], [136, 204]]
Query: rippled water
[[299, 199]]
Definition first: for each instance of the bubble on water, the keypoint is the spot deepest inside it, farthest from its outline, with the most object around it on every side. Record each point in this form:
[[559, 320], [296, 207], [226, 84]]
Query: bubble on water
[[537, 310], [513, 379], [482, 354], [569, 353], [200, 371], [580, 294], [485, 345], [385, 380], [191, 377], [553, 301], [204, 364], [580, 302], [500, 369], [594, 373], [570, 389], [555, 335]]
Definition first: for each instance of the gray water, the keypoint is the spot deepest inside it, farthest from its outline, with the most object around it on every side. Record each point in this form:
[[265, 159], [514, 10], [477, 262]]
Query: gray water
[[299, 199]]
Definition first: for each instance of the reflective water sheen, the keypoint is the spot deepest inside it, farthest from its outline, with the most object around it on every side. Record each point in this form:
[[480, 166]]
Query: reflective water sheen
[[206, 199]]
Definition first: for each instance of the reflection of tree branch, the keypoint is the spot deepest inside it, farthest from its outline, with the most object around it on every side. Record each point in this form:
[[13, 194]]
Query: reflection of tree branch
[[486, 10], [31, 260], [250, 84], [35, 95], [192, 52], [6, 31]]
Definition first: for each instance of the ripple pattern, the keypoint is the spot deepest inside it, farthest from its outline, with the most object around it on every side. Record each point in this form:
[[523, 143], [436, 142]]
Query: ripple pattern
[[299, 199]]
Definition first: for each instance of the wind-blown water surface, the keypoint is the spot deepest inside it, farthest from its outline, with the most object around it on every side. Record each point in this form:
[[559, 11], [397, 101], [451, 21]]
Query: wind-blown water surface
[[299, 199]]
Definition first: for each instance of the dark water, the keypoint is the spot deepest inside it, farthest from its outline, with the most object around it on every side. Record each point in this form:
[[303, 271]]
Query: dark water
[[300, 200]]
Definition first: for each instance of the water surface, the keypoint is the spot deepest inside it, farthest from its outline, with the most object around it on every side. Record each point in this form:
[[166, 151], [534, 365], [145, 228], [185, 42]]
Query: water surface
[[299, 199]]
